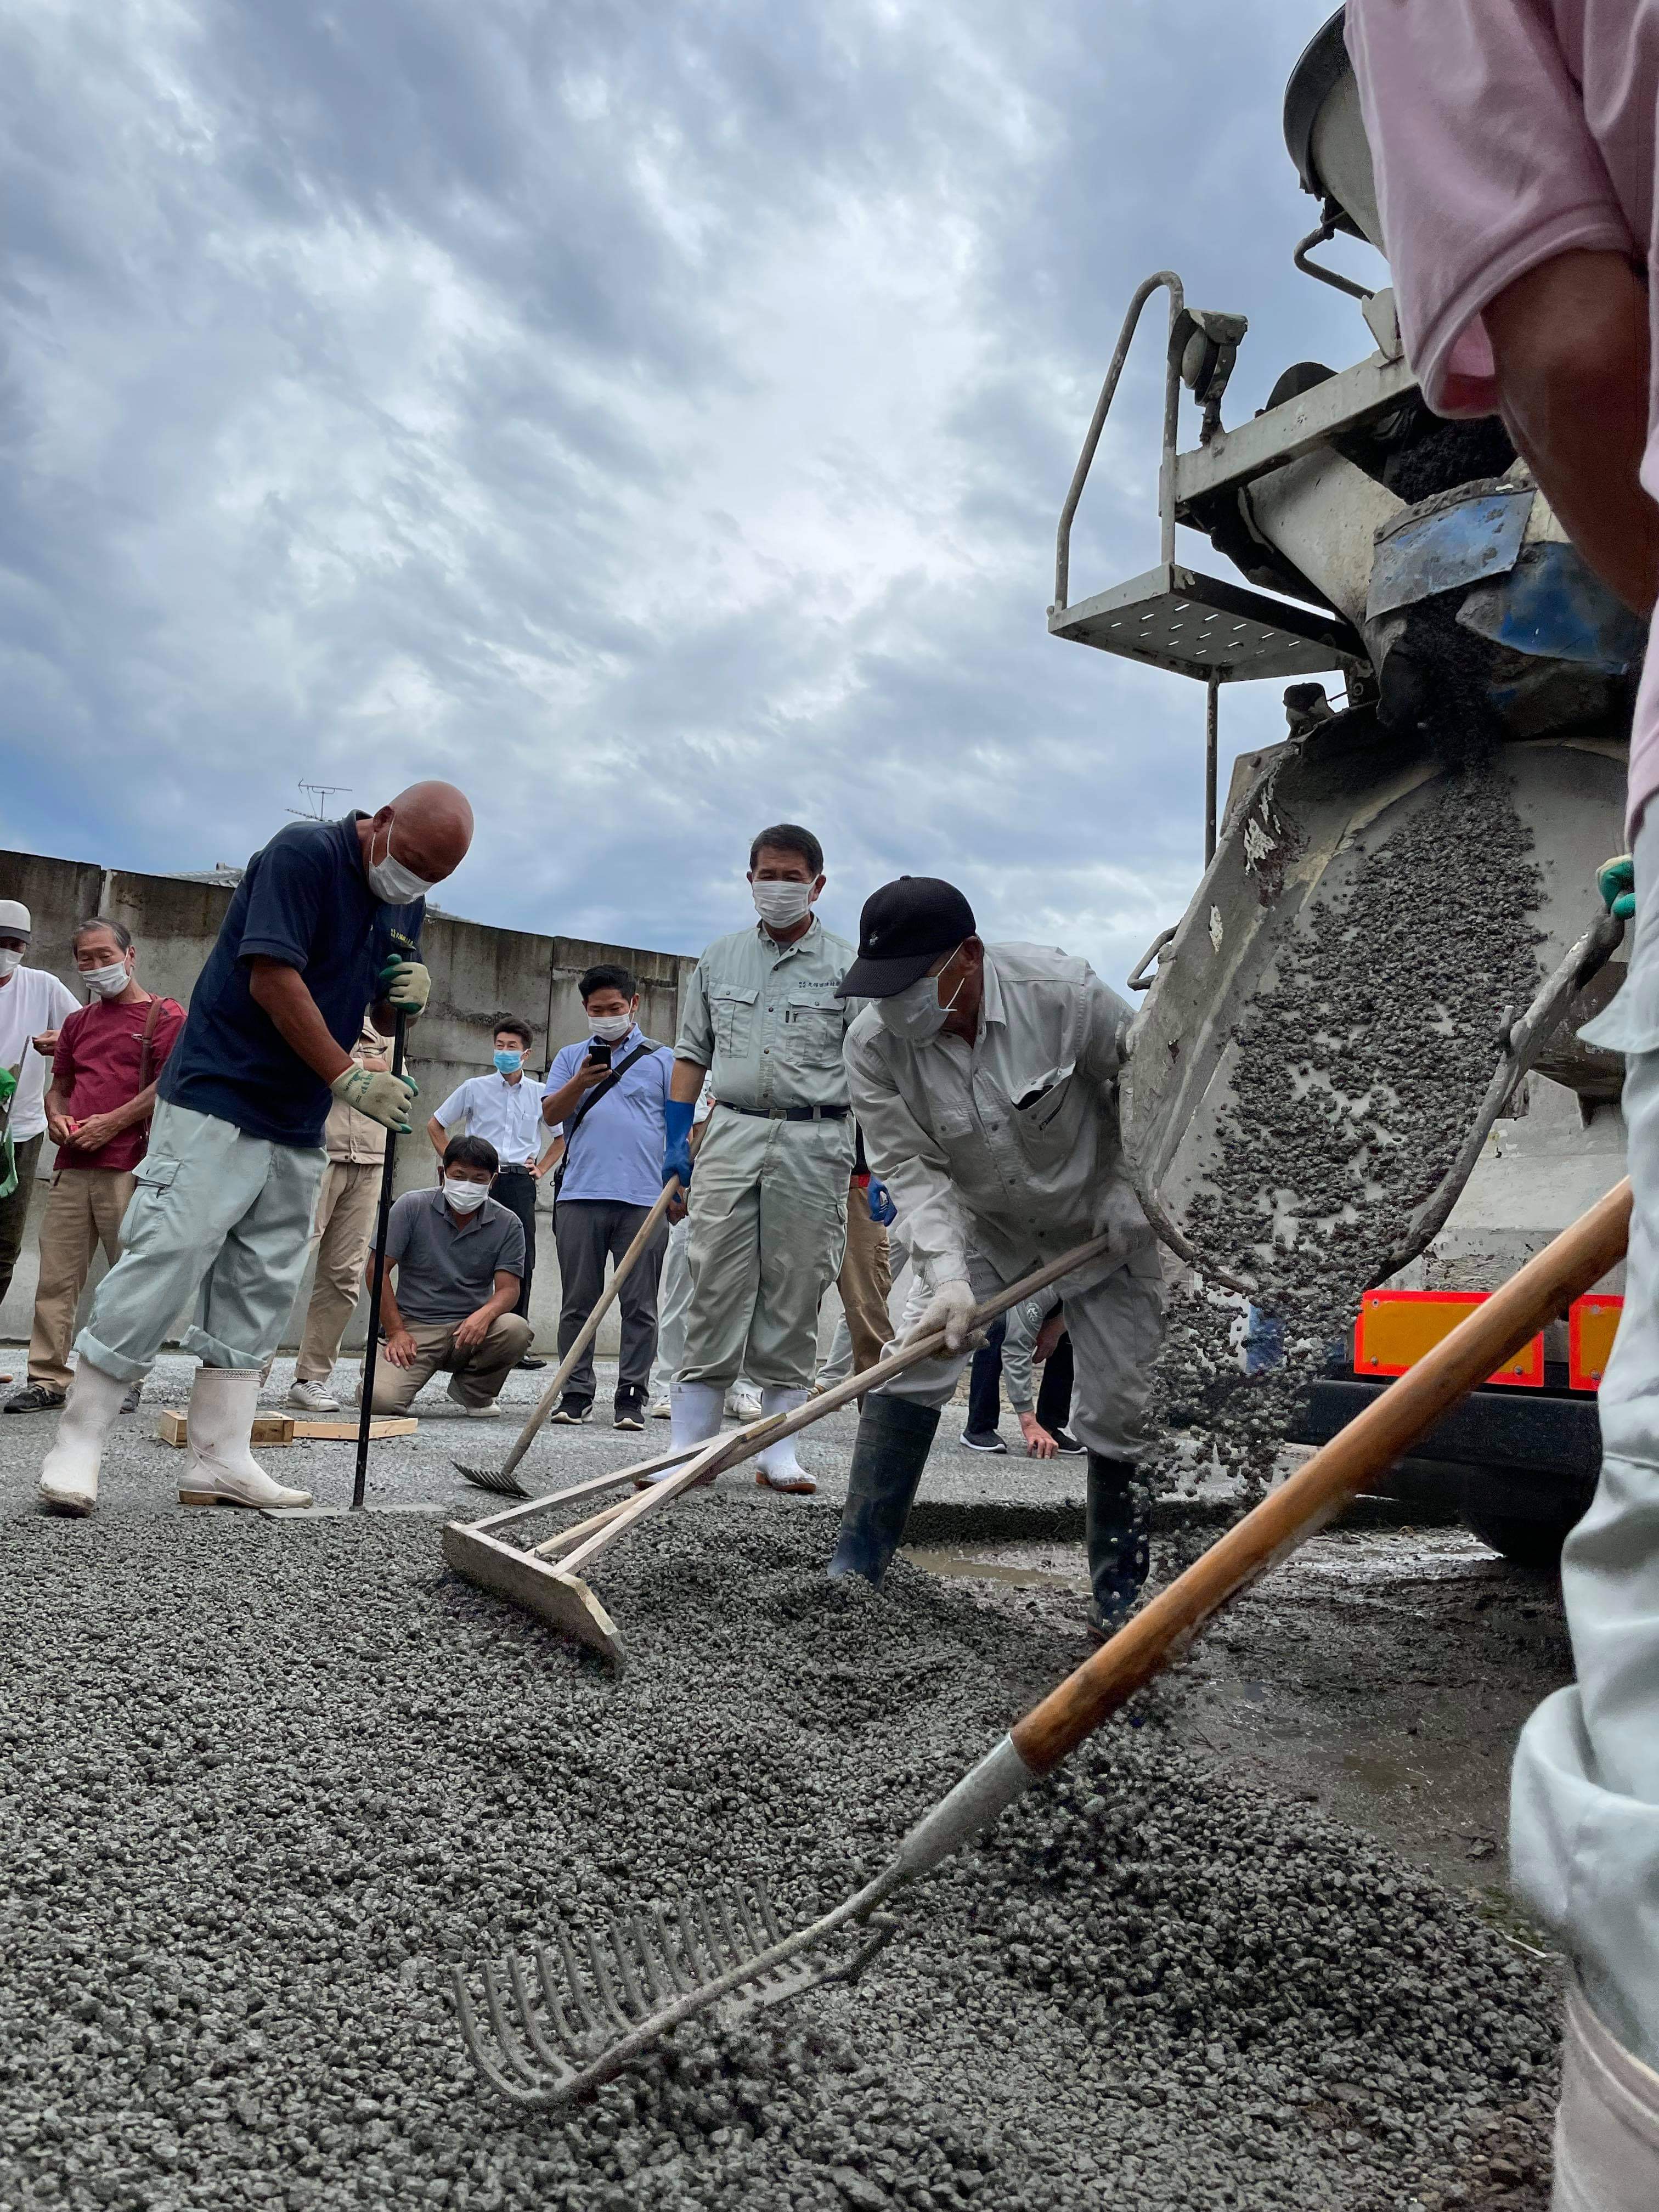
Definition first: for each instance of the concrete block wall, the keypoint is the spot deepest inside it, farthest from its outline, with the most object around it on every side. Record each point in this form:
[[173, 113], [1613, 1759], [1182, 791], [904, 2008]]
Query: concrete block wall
[[478, 973]]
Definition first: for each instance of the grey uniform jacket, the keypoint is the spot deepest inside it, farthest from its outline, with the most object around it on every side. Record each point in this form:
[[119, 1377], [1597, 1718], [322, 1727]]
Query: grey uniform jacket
[[1012, 1143], [764, 1018]]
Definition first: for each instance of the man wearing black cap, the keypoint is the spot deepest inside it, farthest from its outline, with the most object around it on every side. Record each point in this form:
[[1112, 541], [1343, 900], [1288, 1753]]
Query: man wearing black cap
[[984, 1080]]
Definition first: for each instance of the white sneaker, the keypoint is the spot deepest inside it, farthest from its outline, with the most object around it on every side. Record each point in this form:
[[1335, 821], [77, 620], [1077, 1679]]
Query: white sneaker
[[742, 1404], [662, 1411], [777, 1468], [221, 1470], [313, 1398], [492, 1412], [69, 1475]]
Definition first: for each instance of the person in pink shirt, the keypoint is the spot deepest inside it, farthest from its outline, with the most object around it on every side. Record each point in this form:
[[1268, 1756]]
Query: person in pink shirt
[[1514, 146]]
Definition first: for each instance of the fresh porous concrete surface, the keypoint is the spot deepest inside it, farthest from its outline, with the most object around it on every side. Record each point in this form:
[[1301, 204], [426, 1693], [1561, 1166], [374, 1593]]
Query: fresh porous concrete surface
[[264, 1779]]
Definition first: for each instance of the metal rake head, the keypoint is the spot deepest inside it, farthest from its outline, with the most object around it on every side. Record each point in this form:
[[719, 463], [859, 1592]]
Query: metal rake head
[[491, 1478], [575, 2018]]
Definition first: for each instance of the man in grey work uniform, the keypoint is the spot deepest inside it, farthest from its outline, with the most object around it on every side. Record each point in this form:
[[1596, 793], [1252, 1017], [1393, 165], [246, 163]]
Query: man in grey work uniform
[[767, 1211], [985, 1081]]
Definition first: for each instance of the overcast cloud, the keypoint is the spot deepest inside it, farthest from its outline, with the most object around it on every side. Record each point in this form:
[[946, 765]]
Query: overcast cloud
[[654, 416]]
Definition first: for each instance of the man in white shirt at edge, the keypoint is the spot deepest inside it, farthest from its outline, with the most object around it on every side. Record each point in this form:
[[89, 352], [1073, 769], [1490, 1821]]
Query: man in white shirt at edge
[[985, 1080], [506, 1111], [33, 1004]]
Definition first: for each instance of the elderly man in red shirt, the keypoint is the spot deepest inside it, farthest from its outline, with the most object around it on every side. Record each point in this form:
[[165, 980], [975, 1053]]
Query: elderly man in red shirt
[[99, 1103], [1514, 148]]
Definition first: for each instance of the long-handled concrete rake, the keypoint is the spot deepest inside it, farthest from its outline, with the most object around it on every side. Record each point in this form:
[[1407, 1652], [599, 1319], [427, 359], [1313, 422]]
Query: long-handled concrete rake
[[504, 1479], [558, 1593], [579, 2021]]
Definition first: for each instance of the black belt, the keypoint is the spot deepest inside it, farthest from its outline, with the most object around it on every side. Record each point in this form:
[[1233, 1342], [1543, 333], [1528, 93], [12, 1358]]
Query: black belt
[[789, 1113], [512, 1168]]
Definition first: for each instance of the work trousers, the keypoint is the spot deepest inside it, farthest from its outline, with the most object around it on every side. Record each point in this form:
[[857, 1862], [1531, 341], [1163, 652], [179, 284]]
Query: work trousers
[[865, 1281], [1115, 1327], [15, 1209], [768, 1234], [673, 1298], [588, 1232], [343, 1233], [1584, 1796], [1053, 1399], [516, 1188], [83, 1210], [220, 1220], [479, 1373]]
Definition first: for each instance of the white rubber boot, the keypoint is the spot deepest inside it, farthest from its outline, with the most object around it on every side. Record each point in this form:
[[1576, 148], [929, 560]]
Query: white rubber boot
[[69, 1476], [696, 1408], [221, 1470], [777, 1468]]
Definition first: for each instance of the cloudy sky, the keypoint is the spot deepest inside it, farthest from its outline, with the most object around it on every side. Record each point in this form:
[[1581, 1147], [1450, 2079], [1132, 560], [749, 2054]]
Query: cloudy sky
[[654, 416]]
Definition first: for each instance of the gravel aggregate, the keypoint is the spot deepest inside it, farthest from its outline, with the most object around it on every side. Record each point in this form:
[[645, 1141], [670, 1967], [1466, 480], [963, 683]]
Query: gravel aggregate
[[261, 1780], [1359, 1068]]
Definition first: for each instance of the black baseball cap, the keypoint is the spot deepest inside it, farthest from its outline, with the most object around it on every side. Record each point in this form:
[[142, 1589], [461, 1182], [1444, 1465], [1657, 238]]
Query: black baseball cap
[[903, 929]]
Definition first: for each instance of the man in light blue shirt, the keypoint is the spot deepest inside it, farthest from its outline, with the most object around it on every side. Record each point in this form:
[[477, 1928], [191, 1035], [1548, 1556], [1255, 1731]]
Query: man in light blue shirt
[[608, 1090]]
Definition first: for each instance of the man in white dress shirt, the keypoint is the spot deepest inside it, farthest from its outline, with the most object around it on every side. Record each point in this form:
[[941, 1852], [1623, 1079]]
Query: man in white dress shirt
[[506, 1111]]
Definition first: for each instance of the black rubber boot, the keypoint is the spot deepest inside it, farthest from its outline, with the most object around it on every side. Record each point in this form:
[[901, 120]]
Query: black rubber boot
[[1117, 1541], [891, 1451]]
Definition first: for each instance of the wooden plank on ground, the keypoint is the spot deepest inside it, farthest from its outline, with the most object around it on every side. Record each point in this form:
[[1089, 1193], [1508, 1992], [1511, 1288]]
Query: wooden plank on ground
[[270, 1429], [345, 1432]]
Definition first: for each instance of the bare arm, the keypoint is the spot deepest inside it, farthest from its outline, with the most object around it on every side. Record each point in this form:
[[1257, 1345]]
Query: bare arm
[[280, 992], [559, 1105], [476, 1326], [399, 1344], [438, 1134], [97, 1129], [685, 1085], [1570, 340]]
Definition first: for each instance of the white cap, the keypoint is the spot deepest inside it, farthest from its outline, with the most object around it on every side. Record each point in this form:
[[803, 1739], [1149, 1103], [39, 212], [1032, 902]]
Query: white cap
[[15, 919]]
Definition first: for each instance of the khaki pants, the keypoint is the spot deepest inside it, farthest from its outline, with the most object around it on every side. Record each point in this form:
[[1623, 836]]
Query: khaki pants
[[343, 1233], [866, 1282], [767, 1229], [479, 1374], [84, 1211]]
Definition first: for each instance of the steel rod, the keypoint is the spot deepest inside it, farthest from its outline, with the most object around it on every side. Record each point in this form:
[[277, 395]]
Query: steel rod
[[1212, 740], [1144, 292], [372, 1347]]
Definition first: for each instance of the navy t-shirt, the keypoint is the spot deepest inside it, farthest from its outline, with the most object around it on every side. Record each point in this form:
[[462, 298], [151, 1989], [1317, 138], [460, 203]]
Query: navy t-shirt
[[305, 901]]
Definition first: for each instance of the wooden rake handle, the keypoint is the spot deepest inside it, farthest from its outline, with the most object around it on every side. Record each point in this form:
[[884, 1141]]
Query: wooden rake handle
[[723, 1452], [1393, 1421], [590, 1328]]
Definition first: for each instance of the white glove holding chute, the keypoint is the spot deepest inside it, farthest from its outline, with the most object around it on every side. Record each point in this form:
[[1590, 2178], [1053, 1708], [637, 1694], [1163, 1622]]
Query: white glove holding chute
[[951, 1308]]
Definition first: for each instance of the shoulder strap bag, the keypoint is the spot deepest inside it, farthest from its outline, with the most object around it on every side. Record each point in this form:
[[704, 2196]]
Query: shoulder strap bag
[[648, 1044]]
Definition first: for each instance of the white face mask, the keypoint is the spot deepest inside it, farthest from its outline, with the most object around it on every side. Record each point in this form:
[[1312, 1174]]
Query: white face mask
[[917, 1013], [464, 1197], [610, 1029], [108, 982], [782, 904], [390, 880], [10, 961]]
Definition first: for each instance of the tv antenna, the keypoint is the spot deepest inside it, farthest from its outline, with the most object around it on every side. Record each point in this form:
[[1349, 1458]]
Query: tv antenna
[[318, 793]]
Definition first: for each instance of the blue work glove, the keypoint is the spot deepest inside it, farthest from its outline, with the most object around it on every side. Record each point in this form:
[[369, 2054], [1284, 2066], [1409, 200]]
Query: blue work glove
[[882, 1208], [1616, 881], [677, 1153]]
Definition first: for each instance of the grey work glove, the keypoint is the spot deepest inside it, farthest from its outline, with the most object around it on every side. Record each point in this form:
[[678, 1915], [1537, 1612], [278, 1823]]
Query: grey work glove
[[951, 1308], [385, 1098]]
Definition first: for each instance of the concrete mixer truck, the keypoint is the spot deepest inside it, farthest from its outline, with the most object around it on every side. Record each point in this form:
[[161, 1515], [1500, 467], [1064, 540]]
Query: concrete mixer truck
[[1416, 562]]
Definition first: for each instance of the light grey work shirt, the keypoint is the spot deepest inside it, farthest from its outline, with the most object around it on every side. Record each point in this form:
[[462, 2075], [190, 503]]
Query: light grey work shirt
[[1010, 1143], [764, 1019]]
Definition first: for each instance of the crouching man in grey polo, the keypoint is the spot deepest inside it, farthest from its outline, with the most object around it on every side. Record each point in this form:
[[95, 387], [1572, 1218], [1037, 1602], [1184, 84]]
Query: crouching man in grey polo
[[457, 1255], [326, 918]]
